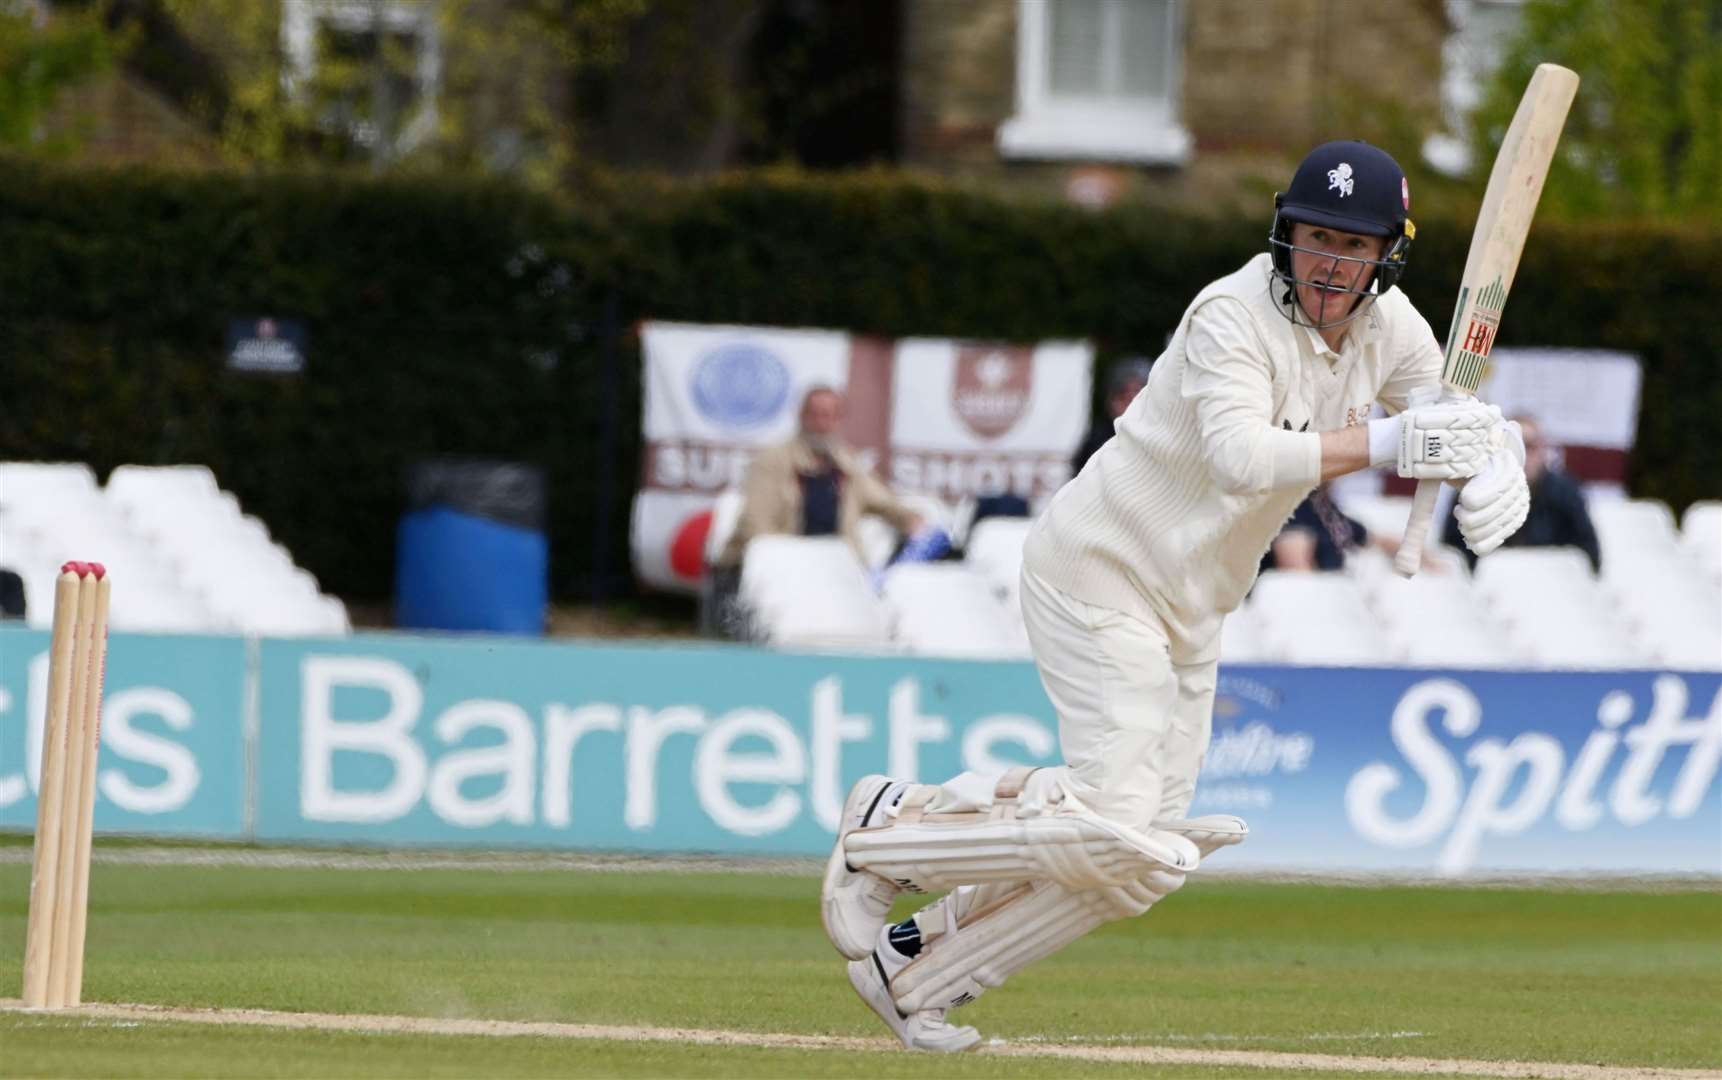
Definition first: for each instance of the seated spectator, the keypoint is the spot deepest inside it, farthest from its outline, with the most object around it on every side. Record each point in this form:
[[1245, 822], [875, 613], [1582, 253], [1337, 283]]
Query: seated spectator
[[1320, 536], [1316, 536], [11, 595], [1005, 504], [1123, 382], [1558, 516], [812, 485]]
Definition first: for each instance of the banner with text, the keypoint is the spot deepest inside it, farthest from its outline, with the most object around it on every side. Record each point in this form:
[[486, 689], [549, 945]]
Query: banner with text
[[936, 417], [172, 757], [398, 740]]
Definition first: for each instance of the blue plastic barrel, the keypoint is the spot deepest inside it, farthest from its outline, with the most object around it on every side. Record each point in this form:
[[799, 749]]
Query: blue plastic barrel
[[471, 553]]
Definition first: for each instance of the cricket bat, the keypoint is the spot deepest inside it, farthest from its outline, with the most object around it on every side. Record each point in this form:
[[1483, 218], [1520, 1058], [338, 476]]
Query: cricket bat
[[1509, 203]]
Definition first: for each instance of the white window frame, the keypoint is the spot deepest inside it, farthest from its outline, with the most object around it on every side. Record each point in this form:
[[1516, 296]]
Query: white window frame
[[1094, 129], [301, 18], [1468, 60]]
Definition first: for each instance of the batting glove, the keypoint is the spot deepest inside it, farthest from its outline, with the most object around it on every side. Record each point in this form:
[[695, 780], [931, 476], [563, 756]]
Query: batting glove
[[1494, 503], [1446, 440]]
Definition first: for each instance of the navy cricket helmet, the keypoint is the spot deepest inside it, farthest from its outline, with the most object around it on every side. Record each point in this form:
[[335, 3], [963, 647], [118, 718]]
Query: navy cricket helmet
[[1353, 187]]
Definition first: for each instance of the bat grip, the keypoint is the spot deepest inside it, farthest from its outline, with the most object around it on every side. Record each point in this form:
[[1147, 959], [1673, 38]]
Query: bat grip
[[1410, 554]]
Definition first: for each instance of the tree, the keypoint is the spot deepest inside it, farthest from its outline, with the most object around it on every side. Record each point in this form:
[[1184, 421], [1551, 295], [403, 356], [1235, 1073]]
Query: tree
[[42, 54], [454, 85], [1645, 134]]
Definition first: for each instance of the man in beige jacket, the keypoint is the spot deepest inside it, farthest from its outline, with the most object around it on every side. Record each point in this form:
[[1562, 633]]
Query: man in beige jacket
[[812, 485]]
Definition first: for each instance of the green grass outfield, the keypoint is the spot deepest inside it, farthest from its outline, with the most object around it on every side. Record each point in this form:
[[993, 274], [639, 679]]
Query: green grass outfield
[[1619, 978]]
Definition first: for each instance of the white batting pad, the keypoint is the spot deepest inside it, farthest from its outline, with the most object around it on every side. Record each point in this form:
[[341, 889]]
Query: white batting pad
[[1209, 833], [977, 938], [1034, 839]]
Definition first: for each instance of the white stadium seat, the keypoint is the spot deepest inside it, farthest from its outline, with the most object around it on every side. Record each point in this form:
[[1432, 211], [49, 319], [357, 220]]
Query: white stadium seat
[[878, 540], [26, 481], [1701, 537], [995, 551], [1556, 610], [133, 484], [1436, 619], [811, 592], [1633, 528], [1678, 612], [1241, 638], [1317, 618], [224, 557], [184, 556], [947, 609], [1384, 515]]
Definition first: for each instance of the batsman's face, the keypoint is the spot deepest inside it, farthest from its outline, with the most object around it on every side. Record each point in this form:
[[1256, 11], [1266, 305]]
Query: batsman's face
[[1329, 264]]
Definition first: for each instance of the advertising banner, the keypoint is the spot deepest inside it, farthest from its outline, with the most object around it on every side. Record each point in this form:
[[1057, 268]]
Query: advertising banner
[[1585, 399], [172, 756], [720, 748], [930, 416], [1454, 772], [977, 419], [733, 749], [399, 740]]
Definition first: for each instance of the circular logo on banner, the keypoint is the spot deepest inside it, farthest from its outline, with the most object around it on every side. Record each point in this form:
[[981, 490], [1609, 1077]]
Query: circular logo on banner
[[740, 385]]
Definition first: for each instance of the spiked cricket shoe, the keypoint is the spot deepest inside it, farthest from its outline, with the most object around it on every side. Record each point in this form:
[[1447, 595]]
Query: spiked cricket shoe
[[924, 1030]]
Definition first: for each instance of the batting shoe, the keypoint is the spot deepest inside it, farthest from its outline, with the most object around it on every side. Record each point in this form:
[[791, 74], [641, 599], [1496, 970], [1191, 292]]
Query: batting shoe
[[853, 903], [924, 1030]]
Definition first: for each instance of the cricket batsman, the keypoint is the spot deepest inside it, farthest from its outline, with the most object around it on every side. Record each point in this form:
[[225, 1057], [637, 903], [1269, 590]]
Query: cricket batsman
[[1265, 390]]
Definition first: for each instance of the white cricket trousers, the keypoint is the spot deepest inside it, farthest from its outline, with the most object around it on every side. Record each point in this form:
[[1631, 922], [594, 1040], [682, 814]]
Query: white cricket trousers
[[1133, 726]]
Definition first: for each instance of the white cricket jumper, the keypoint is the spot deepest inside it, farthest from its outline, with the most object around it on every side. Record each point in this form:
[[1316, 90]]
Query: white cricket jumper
[[1170, 519]]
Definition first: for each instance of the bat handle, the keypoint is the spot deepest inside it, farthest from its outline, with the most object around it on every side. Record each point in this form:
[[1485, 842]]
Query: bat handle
[[1410, 555]]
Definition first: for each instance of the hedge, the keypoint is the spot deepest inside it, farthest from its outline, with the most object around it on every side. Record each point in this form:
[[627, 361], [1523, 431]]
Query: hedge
[[473, 318]]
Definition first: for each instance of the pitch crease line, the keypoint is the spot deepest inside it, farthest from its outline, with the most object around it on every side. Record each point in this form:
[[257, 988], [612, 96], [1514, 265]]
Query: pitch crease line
[[1143, 1055]]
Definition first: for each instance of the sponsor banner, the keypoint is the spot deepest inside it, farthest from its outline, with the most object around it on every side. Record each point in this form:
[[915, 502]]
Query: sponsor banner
[[401, 740], [730, 749], [970, 397], [973, 419], [734, 384], [1582, 397], [669, 535], [724, 749], [945, 418], [713, 396], [172, 756], [1457, 772], [1585, 399]]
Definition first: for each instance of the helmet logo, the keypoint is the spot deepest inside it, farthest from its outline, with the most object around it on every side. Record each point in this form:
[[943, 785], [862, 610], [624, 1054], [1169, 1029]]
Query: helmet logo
[[1340, 178]]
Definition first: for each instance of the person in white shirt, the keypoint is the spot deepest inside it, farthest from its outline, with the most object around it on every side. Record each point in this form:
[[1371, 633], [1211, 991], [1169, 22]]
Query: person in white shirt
[[1265, 390]]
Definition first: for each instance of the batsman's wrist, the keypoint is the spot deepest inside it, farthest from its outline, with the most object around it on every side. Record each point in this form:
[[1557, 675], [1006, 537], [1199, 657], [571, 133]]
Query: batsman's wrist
[[1384, 441]]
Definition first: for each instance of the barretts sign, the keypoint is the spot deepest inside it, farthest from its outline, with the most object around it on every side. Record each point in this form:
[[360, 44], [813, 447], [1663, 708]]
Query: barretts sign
[[394, 739]]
